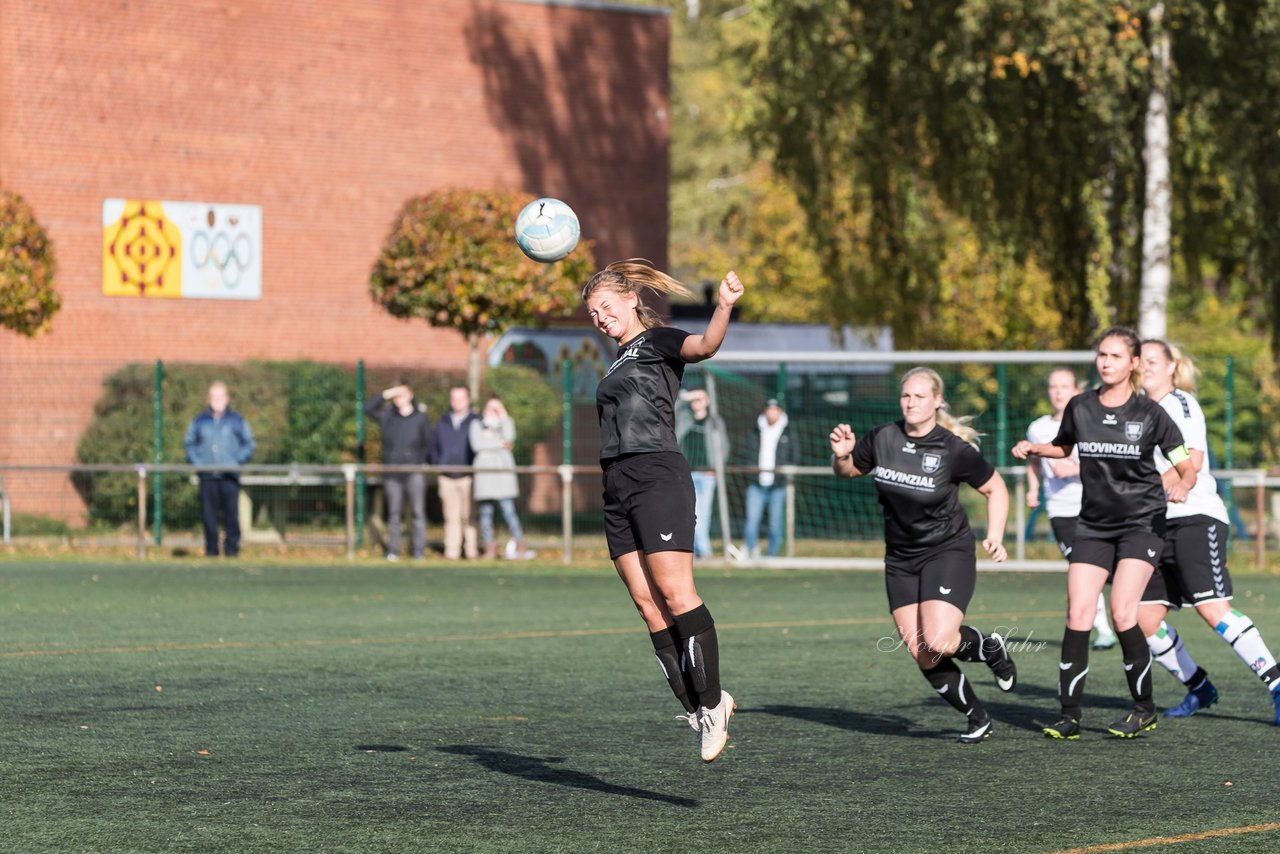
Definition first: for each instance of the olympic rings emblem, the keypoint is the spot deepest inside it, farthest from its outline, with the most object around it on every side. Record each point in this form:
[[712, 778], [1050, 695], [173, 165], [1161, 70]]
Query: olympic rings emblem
[[220, 257]]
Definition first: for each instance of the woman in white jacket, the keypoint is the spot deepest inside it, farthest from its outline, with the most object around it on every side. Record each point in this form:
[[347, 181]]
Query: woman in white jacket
[[492, 437]]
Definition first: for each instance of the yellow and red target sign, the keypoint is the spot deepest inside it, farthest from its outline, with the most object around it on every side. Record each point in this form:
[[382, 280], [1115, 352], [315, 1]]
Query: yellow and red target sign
[[181, 249]]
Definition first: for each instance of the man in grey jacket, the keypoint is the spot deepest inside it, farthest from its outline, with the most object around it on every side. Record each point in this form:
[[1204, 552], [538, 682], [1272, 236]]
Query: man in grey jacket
[[704, 441], [219, 436], [406, 441]]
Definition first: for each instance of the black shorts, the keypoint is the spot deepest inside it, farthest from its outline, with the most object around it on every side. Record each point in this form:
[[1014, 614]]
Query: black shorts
[[1193, 565], [648, 504], [948, 573], [1064, 531], [1106, 550]]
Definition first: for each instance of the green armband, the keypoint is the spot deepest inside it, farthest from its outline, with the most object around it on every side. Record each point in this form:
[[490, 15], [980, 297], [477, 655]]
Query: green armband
[[1178, 454]]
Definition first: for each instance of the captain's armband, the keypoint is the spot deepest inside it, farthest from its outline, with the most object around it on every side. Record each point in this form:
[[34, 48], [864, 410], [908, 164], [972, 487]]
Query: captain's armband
[[1179, 454]]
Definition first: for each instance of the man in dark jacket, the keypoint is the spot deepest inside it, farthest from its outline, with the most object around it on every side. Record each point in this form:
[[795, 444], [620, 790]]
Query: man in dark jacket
[[219, 436], [768, 446], [406, 441], [452, 447]]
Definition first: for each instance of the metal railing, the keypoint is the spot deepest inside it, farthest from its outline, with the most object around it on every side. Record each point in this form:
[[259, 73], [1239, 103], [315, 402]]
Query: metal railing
[[348, 475]]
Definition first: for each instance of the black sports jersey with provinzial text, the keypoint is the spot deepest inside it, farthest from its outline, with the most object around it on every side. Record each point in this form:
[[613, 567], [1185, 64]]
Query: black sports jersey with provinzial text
[[1122, 488], [636, 398], [916, 481]]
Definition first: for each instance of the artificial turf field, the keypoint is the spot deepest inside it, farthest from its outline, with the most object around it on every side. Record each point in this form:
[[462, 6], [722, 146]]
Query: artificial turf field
[[211, 707]]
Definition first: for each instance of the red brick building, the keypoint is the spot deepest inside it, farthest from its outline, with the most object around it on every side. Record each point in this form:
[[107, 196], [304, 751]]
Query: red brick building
[[327, 115]]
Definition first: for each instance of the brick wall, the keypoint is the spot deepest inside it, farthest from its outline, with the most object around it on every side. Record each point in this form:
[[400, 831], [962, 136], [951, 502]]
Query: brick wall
[[327, 115]]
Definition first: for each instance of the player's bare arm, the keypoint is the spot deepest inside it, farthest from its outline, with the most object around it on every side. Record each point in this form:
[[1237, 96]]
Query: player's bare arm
[[704, 346]]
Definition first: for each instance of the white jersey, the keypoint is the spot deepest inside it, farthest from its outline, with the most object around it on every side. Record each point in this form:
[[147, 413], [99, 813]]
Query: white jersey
[[1061, 494], [1203, 499]]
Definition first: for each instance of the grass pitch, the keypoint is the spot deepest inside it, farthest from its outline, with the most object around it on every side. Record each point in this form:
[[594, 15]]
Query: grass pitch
[[211, 707]]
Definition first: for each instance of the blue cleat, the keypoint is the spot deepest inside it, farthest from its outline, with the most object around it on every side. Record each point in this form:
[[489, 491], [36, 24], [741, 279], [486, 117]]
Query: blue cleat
[[1198, 698], [1275, 698]]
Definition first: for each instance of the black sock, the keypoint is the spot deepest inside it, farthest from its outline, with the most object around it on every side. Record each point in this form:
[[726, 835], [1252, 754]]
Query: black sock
[[668, 653], [949, 682], [971, 641], [1197, 679], [1137, 666], [1071, 671], [701, 654]]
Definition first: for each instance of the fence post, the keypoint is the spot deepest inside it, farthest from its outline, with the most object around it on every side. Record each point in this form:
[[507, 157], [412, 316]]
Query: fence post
[[142, 512], [1002, 414], [566, 511], [790, 513], [566, 412], [1260, 507], [1229, 440], [781, 392], [1020, 517], [349, 475], [157, 511], [359, 484]]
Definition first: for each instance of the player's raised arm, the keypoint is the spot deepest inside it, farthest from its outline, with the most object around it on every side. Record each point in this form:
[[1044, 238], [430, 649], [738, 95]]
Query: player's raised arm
[[843, 442], [699, 347]]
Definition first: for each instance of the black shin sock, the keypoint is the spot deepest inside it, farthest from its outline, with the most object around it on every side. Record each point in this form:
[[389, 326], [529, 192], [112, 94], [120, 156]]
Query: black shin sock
[[701, 654], [667, 652], [949, 682], [971, 641], [1137, 666], [1071, 671]]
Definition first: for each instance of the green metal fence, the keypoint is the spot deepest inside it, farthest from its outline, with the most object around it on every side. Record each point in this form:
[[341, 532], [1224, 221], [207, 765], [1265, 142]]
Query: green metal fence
[[312, 414]]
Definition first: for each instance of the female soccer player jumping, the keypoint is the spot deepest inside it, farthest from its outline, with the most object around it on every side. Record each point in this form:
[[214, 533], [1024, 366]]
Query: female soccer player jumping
[[1115, 431], [1193, 567], [648, 490], [930, 569]]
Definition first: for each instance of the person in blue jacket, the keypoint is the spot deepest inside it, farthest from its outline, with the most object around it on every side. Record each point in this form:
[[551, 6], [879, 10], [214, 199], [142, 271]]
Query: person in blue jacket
[[219, 436]]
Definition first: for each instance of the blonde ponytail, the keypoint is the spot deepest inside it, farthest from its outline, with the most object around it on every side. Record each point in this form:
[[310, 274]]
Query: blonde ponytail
[[632, 276]]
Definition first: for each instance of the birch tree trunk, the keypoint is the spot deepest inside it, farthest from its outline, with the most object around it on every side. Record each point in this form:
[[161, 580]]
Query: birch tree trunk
[[1157, 217]]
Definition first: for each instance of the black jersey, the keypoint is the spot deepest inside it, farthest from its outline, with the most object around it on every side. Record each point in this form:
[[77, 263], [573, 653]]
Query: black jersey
[[916, 480], [636, 398], [1122, 487]]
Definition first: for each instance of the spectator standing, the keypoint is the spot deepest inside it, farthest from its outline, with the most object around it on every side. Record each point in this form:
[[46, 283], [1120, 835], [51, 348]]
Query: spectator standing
[[770, 445], [452, 447], [406, 441], [492, 437], [704, 441], [219, 436]]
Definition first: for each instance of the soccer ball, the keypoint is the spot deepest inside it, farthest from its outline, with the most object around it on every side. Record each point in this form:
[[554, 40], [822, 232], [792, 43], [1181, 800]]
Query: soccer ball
[[547, 230]]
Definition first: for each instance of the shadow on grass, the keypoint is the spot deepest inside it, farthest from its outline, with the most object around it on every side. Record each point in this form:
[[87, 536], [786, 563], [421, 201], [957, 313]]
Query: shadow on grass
[[539, 769], [381, 748], [844, 719]]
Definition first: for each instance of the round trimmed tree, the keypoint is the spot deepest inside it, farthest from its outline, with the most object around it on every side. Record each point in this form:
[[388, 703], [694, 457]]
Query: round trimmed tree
[[451, 260], [28, 301]]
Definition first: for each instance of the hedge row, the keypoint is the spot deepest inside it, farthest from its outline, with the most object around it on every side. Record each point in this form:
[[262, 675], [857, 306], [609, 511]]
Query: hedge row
[[300, 412]]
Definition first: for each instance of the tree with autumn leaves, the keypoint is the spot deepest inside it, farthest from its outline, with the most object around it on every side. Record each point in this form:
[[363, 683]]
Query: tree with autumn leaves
[[451, 260], [28, 301]]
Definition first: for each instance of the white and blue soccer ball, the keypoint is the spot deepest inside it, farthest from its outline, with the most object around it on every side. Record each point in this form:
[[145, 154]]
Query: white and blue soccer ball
[[547, 230]]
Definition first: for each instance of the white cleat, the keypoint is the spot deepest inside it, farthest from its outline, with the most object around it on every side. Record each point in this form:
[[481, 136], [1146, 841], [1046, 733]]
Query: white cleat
[[714, 726], [692, 720]]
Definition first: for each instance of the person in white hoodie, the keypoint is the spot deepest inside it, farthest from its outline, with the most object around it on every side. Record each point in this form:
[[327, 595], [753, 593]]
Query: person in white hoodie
[[770, 446]]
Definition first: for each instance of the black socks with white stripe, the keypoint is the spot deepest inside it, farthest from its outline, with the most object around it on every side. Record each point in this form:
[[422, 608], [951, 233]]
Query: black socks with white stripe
[[1072, 670], [700, 654], [949, 682], [666, 646], [1137, 667]]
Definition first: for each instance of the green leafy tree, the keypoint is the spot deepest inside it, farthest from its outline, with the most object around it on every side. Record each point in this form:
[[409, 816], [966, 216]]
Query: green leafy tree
[[28, 301], [451, 260]]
